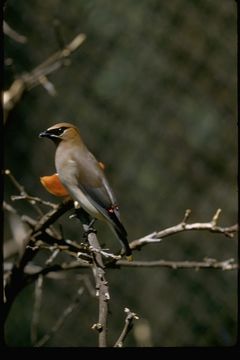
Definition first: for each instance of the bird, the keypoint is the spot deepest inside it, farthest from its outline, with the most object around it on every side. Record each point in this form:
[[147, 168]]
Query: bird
[[83, 177]]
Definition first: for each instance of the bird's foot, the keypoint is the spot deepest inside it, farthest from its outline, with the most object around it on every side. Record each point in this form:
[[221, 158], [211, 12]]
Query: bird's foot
[[89, 229]]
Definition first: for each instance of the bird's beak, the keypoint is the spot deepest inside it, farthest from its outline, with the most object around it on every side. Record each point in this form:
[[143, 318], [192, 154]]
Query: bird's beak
[[44, 134], [48, 134]]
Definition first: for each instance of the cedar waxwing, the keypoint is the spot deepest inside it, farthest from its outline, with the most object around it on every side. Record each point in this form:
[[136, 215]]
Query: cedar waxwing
[[83, 177]]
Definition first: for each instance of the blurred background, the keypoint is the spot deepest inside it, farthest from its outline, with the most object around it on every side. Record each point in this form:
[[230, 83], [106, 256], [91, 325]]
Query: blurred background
[[153, 92]]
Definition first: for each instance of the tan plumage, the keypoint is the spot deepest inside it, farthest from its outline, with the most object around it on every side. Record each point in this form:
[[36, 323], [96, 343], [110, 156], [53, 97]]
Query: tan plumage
[[83, 177]]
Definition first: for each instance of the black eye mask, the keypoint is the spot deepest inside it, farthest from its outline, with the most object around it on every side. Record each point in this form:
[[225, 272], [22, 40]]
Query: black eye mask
[[57, 131]]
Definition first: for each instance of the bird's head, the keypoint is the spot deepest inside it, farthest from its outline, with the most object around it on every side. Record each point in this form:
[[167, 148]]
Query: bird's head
[[61, 132]]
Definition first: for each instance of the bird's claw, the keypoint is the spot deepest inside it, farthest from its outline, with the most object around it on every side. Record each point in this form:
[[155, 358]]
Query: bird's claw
[[88, 231]]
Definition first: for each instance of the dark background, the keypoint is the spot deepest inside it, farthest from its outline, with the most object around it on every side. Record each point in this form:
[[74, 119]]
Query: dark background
[[153, 91]]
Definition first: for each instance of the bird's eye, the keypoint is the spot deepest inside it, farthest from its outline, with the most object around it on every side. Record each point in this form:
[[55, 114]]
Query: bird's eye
[[57, 131], [61, 130]]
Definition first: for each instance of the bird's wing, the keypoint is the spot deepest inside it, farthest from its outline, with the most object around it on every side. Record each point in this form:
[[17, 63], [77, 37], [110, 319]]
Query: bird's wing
[[94, 185], [99, 197]]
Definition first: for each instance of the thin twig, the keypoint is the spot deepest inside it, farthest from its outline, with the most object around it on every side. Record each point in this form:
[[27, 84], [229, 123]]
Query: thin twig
[[207, 263], [57, 273], [36, 308], [127, 327], [33, 200], [13, 34], [22, 191], [211, 226], [17, 279], [35, 271], [9, 208], [61, 319], [38, 76], [38, 298]]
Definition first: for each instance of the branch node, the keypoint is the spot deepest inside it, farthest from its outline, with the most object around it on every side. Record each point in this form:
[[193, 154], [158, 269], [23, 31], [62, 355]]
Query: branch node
[[127, 327], [216, 217], [107, 296], [48, 85], [131, 315], [186, 217], [97, 327]]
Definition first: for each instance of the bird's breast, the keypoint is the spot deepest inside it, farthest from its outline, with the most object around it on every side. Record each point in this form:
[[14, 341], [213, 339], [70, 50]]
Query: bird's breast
[[68, 171]]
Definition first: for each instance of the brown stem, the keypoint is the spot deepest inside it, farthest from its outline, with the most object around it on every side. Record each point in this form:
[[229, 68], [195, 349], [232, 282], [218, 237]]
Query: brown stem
[[98, 270], [211, 226], [127, 327]]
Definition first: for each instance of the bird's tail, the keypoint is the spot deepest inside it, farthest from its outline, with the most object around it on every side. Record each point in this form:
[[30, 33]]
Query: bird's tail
[[123, 239], [122, 235]]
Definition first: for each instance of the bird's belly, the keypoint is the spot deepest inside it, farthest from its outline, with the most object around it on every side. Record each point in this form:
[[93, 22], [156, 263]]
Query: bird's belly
[[78, 195], [69, 180]]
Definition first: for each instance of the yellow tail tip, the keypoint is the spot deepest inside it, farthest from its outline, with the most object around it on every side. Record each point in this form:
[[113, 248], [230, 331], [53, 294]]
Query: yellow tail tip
[[129, 258]]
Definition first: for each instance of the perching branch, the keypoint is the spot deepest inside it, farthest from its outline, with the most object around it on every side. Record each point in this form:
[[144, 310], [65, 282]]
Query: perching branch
[[98, 270], [41, 236], [38, 76]]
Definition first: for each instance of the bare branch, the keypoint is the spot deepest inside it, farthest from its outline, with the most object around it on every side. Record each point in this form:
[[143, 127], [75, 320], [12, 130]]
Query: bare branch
[[98, 269], [101, 290], [9, 208], [207, 263], [127, 327], [36, 308], [33, 200], [17, 279], [13, 34], [186, 215], [38, 76], [211, 226], [61, 319], [22, 191], [216, 217]]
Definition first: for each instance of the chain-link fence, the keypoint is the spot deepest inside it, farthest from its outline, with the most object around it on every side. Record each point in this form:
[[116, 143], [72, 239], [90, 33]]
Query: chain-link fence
[[153, 91]]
